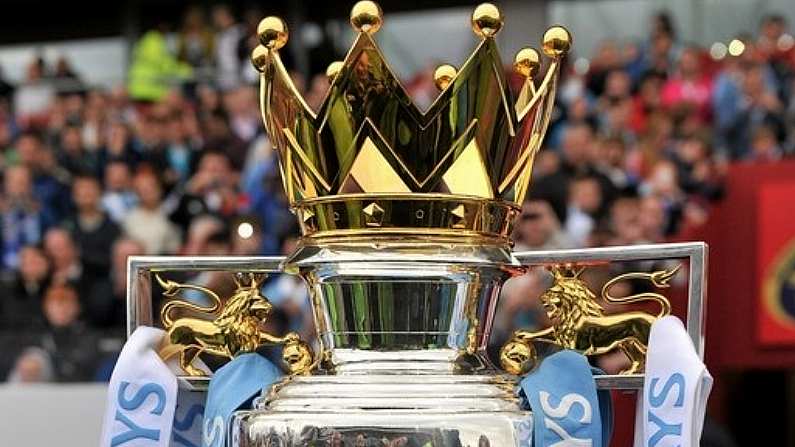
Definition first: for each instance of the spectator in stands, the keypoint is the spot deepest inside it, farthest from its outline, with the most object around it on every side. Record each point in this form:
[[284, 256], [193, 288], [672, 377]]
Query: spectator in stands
[[646, 101], [660, 54], [118, 197], [24, 219], [765, 146], [154, 70], [151, 142], [652, 219], [67, 269], [92, 230], [699, 175], [72, 155], [612, 162], [212, 189], [625, 225], [195, 44], [119, 146], [663, 183], [180, 150], [64, 256], [689, 91], [579, 159], [147, 222], [585, 201], [67, 340], [218, 134], [93, 123], [607, 60], [20, 308], [35, 96], [49, 179], [539, 228], [65, 77], [33, 365], [775, 45], [228, 34], [245, 119]]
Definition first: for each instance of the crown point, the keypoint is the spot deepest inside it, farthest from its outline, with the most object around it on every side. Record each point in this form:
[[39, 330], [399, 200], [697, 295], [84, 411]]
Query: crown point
[[259, 57], [333, 70], [487, 20], [557, 41], [366, 17], [272, 32], [443, 75], [527, 62]]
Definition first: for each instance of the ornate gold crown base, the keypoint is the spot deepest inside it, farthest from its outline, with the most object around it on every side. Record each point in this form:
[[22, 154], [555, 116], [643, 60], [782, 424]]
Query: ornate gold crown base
[[394, 217]]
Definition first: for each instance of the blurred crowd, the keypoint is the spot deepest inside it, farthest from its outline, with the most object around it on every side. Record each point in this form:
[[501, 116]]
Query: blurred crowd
[[176, 161], [642, 141]]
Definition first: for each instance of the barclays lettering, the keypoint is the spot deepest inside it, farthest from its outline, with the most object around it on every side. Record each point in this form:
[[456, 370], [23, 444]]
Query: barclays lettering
[[562, 411], [135, 402], [657, 400], [183, 425], [213, 433]]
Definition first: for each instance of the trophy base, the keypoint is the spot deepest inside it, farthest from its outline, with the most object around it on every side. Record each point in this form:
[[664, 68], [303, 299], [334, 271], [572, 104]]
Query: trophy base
[[443, 410]]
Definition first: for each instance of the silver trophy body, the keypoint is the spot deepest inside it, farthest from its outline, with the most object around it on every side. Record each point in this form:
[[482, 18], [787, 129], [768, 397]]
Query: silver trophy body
[[404, 337]]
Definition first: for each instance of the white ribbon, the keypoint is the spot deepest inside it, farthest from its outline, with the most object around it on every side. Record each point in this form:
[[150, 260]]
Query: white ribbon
[[670, 412], [143, 399]]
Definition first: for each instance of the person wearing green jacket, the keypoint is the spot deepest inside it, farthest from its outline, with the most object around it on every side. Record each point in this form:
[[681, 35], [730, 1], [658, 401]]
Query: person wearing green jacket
[[154, 69]]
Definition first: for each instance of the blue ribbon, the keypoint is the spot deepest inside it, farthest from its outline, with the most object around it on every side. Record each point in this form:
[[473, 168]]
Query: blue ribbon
[[565, 403], [233, 386]]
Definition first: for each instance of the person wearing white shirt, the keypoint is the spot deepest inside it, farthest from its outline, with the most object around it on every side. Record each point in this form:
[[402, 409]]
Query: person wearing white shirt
[[147, 222]]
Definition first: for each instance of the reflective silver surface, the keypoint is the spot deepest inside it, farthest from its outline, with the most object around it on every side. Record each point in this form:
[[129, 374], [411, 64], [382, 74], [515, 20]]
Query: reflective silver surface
[[383, 409], [404, 356], [385, 311]]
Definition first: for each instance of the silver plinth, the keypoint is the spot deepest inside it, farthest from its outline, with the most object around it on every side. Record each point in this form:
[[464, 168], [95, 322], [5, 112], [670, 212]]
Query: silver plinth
[[404, 334]]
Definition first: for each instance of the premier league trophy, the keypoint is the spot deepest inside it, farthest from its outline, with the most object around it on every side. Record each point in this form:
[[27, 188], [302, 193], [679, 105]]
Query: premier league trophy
[[406, 219]]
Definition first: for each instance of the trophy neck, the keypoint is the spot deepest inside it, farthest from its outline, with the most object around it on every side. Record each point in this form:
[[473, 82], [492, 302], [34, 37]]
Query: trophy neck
[[415, 310]]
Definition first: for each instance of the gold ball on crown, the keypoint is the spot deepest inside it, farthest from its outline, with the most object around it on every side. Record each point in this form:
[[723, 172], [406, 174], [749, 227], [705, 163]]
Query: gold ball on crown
[[272, 32], [259, 57], [557, 41], [443, 75], [527, 62], [334, 69], [487, 20], [366, 17]]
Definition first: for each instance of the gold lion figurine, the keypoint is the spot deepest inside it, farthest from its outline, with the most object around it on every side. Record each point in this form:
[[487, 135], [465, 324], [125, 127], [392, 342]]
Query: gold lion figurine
[[235, 329], [579, 322]]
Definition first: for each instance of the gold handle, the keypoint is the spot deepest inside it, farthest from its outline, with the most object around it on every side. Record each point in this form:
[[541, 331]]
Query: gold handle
[[579, 321], [236, 326]]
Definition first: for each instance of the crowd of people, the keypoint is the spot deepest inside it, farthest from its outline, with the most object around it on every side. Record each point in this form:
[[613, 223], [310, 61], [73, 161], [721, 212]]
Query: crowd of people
[[174, 161]]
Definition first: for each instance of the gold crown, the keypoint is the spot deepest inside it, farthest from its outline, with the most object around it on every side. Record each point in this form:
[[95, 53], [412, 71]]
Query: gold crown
[[369, 162]]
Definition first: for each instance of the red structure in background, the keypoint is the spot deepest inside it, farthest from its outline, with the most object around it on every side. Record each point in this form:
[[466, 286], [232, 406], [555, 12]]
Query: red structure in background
[[751, 237]]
